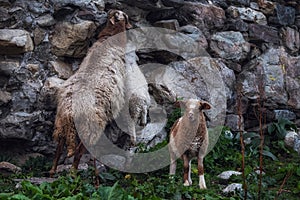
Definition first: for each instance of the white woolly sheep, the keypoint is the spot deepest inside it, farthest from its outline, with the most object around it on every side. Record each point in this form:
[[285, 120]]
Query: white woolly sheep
[[136, 94], [189, 138], [103, 71]]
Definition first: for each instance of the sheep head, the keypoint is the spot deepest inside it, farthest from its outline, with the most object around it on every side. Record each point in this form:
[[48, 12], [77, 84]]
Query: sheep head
[[117, 22], [193, 107], [117, 16]]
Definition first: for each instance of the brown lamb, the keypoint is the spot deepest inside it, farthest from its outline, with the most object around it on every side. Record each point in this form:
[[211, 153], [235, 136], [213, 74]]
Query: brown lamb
[[189, 139]]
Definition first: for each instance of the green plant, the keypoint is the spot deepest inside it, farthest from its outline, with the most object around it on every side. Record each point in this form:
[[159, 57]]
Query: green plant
[[112, 193], [37, 166], [279, 129], [6, 158], [252, 149], [280, 180], [225, 155], [67, 188]]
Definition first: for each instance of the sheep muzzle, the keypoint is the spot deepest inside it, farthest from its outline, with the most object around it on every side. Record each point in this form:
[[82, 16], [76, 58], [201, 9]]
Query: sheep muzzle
[[191, 116]]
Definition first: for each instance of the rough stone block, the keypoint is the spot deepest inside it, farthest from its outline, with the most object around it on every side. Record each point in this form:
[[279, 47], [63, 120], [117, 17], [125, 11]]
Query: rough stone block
[[15, 41]]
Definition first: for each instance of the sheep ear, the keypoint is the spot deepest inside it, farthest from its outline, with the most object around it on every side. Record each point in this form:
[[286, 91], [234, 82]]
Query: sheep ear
[[179, 103], [127, 24], [205, 105], [112, 20], [111, 16]]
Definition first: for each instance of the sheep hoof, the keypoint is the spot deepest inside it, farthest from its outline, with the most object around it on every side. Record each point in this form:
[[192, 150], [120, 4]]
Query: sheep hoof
[[143, 124], [51, 172], [73, 172], [186, 183], [202, 183], [133, 142], [202, 187]]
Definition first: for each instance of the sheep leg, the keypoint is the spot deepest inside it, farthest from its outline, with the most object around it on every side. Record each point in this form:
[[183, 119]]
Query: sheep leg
[[144, 116], [172, 152], [201, 155], [133, 136], [173, 163], [186, 170], [97, 178], [190, 170], [202, 184], [132, 131], [80, 150], [129, 157], [59, 150]]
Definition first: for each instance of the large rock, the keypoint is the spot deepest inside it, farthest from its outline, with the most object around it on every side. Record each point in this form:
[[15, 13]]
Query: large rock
[[7, 168], [8, 67], [15, 41], [204, 16], [227, 174], [247, 14], [264, 33], [290, 137], [169, 24], [284, 15], [292, 68], [195, 33], [45, 20], [145, 4], [275, 75], [26, 97], [237, 25], [39, 35], [297, 21], [79, 3], [230, 45], [59, 3], [267, 71], [292, 140], [18, 126], [37, 7], [284, 114], [240, 2], [228, 77], [173, 3], [72, 40], [171, 42], [291, 39], [233, 187], [31, 130]]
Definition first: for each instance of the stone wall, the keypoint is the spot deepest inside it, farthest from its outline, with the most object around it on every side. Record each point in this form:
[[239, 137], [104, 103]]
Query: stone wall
[[42, 43]]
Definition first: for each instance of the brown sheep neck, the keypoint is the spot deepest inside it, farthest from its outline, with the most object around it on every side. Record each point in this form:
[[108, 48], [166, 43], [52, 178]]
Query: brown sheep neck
[[111, 30]]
